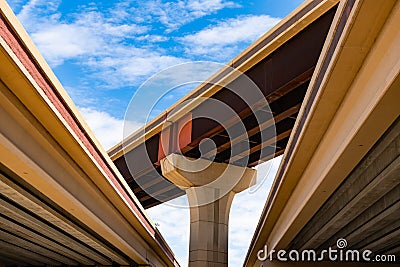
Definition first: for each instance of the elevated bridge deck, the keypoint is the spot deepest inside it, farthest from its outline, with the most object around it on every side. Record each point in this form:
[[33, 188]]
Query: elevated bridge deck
[[281, 64]]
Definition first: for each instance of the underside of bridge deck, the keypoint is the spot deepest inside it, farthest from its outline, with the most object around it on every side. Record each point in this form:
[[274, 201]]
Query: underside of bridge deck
[[282, 76], [365, 208], [338, 182], [62, 200], [35, 231]]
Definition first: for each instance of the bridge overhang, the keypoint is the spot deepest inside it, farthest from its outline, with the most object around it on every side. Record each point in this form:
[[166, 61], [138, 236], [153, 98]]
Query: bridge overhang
[[350, 108], [297, 39], [62, 200]]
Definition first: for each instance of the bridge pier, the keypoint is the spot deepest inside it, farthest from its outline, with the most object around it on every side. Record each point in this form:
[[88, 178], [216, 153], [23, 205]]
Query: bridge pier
[[210, 188]]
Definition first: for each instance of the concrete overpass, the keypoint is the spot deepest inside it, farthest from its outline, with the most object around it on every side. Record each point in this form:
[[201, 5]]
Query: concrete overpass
[[168, 157], [62, 200], [340, 174], [280, 64], [334, 107]]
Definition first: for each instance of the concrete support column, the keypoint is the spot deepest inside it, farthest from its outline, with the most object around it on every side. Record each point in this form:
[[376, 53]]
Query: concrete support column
[[210, 188], [208, 245]]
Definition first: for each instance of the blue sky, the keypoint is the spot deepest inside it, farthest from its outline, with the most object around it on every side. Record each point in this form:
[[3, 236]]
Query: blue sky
[[102, 51]]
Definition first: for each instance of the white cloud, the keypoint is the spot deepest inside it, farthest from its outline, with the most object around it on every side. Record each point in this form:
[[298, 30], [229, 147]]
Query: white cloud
[[223, 39], [146, 64], [99, 42], [173, 223], [15, 4], [109, 27], [175, 14], [204, 6], [129, 68], [60, 42], [153, 38], [246, 211], [107, 129], [29, 11]]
